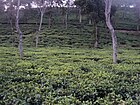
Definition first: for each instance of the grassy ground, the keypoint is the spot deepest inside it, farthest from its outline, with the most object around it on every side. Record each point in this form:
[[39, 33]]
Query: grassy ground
[[69, 76]]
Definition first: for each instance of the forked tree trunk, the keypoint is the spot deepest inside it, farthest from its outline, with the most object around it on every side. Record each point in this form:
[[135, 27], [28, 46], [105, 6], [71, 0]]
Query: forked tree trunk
[[108, 4], [19, 31], [39, 29]]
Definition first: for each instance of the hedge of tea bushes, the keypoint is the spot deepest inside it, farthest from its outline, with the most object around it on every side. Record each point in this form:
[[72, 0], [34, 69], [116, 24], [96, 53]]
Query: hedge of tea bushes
[[69, 76]]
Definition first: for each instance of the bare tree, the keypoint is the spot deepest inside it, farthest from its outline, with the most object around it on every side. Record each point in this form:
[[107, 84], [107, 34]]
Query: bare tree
[[108, 4]]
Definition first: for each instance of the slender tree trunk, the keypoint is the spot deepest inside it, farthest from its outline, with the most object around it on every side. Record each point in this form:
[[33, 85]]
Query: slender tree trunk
[[89, 21], [138, 25], [80, 15], [96, 36], [108, 4], [123, 13], [11, 24], [50, 15], [63, 19], [66, 20], [12, 30], [77, 14], [19, 31], [49, 21], [63, 12], [138, 28], [39, 29]]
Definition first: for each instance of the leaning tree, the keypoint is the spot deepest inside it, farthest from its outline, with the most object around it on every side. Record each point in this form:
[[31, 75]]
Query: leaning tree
[[108, 4]]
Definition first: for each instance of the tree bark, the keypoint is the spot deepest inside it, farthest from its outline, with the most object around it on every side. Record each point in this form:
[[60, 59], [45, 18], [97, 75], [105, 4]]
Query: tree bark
[[108, 4], [39, 29], [19, 31]]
